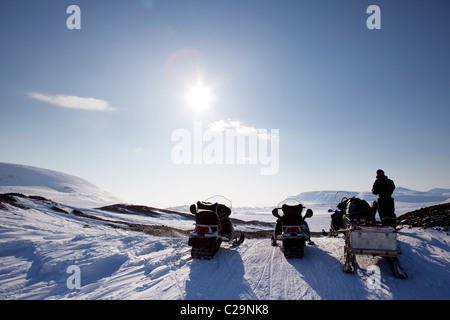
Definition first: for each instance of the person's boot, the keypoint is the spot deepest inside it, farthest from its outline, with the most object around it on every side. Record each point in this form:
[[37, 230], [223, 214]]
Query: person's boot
[[274, 241]]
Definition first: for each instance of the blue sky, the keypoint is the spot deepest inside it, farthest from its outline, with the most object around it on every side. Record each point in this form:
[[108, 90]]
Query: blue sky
[[346, 100]]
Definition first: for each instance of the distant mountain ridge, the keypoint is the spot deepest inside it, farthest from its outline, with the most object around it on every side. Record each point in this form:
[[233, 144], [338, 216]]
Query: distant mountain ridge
[[436, 195]]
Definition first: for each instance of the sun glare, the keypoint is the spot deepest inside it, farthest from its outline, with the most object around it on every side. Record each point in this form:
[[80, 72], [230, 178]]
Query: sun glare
[[199, 97]]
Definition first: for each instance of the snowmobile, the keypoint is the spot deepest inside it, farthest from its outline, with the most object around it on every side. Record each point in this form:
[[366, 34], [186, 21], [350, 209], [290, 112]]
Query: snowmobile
[[212, 226], [364, 235], [291, 228]]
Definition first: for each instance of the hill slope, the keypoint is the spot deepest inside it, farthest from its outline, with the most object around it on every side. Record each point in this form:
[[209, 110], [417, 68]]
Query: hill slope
[[429, 217], [51, 184]]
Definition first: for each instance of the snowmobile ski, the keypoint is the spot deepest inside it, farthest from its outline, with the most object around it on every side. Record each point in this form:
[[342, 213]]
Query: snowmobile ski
[[349, 264], [397, 268], [239, 241]]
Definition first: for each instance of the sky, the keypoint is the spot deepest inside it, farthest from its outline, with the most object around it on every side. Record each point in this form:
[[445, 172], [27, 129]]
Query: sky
[[147, 99]]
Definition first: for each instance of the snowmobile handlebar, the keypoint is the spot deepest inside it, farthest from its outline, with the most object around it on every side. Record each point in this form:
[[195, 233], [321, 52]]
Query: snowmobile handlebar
[[275, 213], [308, 214], [342, 204]]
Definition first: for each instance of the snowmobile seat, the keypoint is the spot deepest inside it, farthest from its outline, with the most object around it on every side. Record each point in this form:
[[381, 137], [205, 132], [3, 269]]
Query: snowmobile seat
[[206, 217], [358, 209], [207, 206], [292, 210], [206, 213], [292, 215]]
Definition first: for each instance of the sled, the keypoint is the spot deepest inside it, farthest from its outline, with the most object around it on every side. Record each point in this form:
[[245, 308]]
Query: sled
[[376, 241], [363, 235]]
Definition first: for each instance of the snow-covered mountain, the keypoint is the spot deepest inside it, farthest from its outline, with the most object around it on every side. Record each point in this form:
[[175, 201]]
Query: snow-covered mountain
[[401, 194], [47, 245], [58, 186]]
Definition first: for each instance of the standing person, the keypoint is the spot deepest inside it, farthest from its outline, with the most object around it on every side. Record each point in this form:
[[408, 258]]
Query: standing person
[[384, 187]]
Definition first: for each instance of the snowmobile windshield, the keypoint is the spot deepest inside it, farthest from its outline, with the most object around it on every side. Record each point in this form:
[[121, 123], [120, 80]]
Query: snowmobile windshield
[[338, 198], [290, 202], [220, 200]]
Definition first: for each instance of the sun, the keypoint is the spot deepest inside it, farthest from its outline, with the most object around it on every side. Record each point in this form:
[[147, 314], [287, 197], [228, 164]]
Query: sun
[[199, 97]]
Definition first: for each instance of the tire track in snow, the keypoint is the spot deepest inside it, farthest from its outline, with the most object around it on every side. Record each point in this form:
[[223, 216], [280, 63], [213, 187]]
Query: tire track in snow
[[272, 276], [258, 258]]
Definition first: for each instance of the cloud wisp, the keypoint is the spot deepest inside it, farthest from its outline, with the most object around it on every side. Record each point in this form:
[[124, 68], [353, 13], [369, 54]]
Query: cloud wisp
[[72, 102], [241, 129]]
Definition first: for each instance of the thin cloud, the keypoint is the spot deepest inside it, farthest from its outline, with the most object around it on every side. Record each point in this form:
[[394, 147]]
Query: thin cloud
[[73, 102], [236, 125]]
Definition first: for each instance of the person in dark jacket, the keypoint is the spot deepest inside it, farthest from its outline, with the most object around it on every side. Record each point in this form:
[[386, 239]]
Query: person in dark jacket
[[384, 187]]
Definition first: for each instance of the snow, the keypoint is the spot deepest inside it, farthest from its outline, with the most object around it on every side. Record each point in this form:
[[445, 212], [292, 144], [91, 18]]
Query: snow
[[38, 245], [50, 184]]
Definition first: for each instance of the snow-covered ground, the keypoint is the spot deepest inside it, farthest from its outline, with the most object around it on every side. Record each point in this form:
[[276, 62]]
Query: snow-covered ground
[[38, 246], [43, 251]]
